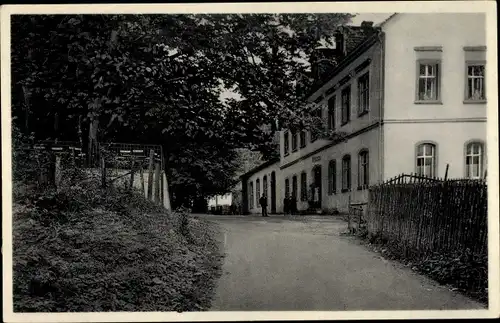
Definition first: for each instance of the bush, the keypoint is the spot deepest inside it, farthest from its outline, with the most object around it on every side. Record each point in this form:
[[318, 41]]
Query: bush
[[463, 270], [90, 249]]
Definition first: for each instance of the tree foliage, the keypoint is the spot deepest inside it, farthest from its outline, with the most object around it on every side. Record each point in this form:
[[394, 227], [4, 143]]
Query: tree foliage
[[158, 79]]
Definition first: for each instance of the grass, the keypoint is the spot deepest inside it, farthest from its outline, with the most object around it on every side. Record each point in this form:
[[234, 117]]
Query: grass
[[462, 271], [85, 250]]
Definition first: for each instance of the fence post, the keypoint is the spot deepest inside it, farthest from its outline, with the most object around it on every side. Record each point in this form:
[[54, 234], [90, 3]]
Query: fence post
[[141, 173], [103, 172], [150, 171], [58, 171], [446, 173], [132, 170], [157, 183]]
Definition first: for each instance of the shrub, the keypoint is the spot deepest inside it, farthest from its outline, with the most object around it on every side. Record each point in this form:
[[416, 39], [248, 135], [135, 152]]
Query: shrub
[[115, 251]]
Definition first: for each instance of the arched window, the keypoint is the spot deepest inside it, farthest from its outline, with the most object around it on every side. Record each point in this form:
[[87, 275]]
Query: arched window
[[287, 187], [363, 171], [346, 173], [251, 198], [264, 185], [294, 186], [332, 177], [426, 160], [257, 188], [474, 160], [303, 186]]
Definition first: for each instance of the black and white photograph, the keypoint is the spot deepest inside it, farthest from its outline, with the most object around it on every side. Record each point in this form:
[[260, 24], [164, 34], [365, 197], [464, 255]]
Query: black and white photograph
[[250, 161]]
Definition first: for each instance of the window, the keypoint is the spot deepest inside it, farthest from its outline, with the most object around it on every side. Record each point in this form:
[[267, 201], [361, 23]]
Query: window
[[294, 186], [474, 160], [428, 81], [294, 141], [250, 189], [346, 105], [287, 187], [286, 143], [257, 188], [331, 112], [363, 180], [363, 93], [318, 115], [264, 185], [426, 160], [475, 87], [332, 177], [303, 187], [346, 173], [302, 138]]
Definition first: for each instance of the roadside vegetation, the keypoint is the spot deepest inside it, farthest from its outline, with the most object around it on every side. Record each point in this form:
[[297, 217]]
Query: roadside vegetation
[[88, 249], [465, 272], [83, 248]]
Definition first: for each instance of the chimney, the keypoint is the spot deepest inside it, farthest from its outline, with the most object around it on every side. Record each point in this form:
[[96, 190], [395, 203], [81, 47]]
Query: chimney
[[339, 43], [367, 24]]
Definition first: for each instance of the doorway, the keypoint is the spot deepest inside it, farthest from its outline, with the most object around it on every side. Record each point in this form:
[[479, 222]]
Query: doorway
[[317, 179], [273, 192]]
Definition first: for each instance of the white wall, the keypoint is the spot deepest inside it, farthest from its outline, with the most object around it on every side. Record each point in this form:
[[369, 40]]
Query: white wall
[[450, 123], [452, 31], [368, 140], [356, 122], [450, 138], [220, 200], [260, 175]]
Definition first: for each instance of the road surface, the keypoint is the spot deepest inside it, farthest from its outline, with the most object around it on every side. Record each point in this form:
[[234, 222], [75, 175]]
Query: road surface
[[280, 264]]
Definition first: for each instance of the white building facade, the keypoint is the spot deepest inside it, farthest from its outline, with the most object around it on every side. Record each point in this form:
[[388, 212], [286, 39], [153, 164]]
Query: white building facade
[[408, 99]]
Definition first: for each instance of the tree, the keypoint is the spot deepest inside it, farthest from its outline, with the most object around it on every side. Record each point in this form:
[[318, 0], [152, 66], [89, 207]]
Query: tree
[[158, 79]]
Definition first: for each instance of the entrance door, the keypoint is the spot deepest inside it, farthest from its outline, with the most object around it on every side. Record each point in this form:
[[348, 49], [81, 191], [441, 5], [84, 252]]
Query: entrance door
[[317, 184], [273, 192]]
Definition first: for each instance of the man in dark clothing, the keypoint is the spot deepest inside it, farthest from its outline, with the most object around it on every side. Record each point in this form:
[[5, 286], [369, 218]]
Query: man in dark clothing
[[286, 205], [293, 204], [263, 204]]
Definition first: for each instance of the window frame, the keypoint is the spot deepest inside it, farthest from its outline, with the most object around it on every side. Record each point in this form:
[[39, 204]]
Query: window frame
[[469, 63], [362, 110], [332, 177], [332, 108], [316, 113], [348, 107], [286, 143], [287, 187], [346, 179], [435, 161], [439, 66], [264, 185], [302, 139], [257, 188], [303, 186], [295, 186], [251, 194], [295, 143], [363, 169], [482, 156]]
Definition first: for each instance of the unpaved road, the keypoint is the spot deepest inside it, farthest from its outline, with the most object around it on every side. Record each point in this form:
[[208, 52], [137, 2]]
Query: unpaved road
[[282, 264]]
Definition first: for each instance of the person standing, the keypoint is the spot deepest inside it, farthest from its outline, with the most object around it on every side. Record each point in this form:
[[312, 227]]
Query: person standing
[[263, 204], [293, 205]]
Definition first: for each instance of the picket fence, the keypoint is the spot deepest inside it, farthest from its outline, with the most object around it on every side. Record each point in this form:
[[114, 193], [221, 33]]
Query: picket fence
[[424, 215]]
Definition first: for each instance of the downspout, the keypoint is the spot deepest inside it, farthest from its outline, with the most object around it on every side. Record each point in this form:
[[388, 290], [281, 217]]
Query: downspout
[[381, 106]]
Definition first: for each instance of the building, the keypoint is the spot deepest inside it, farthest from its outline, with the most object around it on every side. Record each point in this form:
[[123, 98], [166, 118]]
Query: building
[[408, 98]]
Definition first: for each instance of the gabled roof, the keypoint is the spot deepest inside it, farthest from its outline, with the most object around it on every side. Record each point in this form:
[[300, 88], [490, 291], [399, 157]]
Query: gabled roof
[[387, 20]]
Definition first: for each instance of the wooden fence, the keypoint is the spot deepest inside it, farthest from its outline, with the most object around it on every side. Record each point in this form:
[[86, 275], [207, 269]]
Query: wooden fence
[[423, 215]]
